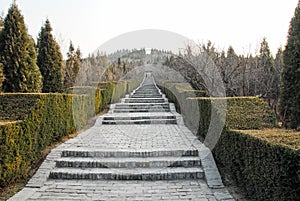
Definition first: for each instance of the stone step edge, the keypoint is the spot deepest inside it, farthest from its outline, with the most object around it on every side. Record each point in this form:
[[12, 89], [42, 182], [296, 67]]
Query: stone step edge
[[127, 174], [77, 162], [141, 111], [128, 153], [142, 107], [141, 104], [140, 118], [144, 121]]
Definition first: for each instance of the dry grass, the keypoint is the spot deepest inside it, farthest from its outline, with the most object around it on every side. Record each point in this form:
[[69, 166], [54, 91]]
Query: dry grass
[[3, 123], [9, 191], [284, 137]]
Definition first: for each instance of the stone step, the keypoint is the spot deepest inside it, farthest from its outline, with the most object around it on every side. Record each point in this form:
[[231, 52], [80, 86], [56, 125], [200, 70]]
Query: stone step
[[145, 100], [139, 117], [161, 106], [147, 89], [153, 162], [146, 92], [141, 105], [128, 153], [141, 121], [127, 173], [141, 110], [146, 96], [150, 86]]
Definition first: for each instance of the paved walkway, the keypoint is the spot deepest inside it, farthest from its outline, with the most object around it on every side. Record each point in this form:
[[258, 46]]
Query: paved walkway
[[139, 150]]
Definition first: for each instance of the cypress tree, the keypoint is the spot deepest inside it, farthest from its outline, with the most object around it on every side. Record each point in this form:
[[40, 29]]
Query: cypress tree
[[1, 76], [290, 83], [18, 55], [50, 60], [266, 71], [72, 66], [1, 23]]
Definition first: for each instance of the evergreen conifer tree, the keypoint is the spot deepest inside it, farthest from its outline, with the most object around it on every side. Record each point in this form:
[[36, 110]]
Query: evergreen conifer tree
[[18, 55], [1, 76], [1, 23], [72, 66], [265, 69], [50, 60], [290, 82]]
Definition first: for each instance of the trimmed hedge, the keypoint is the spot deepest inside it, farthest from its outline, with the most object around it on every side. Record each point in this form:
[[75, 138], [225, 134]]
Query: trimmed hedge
[[107, 89], [8, 102], [95, 99], [122, 88], [45, 118], [266, 170], [131, 85], [242, 112], [118, 89], [21, 143], [178, 92]]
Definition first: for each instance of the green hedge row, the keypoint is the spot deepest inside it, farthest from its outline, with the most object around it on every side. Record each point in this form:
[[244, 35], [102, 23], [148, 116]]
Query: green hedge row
[[122, 88], [45, 118], [267, 171], [8, 103], [241, 112], [94, 105], [178, 93], [119, 91], [21, 143]]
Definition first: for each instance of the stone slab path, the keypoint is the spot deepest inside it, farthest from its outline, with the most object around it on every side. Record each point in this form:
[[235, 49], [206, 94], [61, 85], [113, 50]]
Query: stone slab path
[[139, 150]]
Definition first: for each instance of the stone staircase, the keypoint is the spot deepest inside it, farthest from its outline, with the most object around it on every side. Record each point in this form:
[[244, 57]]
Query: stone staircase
[[127, 165], [144, 106]]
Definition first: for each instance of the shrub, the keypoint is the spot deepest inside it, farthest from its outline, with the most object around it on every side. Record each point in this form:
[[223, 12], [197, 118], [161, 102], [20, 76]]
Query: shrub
[[22, 142], [119, 91], [242, 113], [266, 168], [266, 163], [131, 85], [42, 120], [16, 106], [122, 88], [95, 98]]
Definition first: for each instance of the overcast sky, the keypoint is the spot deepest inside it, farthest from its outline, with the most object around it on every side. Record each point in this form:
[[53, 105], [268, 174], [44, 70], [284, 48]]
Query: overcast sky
[[90, 23]]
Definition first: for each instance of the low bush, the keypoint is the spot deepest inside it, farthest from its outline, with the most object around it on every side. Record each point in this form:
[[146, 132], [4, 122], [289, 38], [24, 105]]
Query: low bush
[[95, 99], [263, 160], [8, 103], [31, 122], [120, 89], [264, 163], [241, 113], [196, 108], [51, 117]]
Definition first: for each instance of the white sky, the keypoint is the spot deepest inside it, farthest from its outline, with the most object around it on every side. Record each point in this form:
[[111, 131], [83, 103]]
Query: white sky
[[90, 23]]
